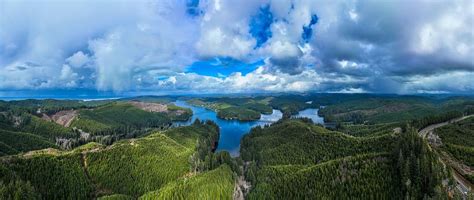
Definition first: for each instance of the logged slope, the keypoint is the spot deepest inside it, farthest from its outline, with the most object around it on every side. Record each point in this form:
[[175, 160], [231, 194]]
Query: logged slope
[[46, 129], [129, 167], [25, 132], [25, 122]]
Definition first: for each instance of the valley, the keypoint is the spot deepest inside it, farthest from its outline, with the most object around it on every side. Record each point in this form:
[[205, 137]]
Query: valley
[[180, 148]]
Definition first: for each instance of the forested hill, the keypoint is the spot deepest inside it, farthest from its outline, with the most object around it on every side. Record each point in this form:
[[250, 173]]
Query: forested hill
[[294, 159], [166, 165], [34, 124], [127, 149], [356, 108], [387, 109]]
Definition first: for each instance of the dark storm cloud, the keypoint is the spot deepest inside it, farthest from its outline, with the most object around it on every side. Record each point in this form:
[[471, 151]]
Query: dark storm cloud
[[396, 41]]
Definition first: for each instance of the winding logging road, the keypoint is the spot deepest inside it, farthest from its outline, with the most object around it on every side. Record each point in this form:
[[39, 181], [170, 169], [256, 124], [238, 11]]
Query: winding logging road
[[463, 186]]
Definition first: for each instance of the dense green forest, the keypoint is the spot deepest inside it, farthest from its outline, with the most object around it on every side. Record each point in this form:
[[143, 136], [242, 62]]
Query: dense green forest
[[214, 184], [242, 114], [164, 163], [294, 159], [15, 142], [123, 149], [388, 109], [457, 140]]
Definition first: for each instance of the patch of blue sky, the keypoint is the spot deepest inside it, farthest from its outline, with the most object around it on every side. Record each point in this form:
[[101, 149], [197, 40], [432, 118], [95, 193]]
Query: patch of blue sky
[[223, 67], [260, 25], [192, 7], [308, 30]]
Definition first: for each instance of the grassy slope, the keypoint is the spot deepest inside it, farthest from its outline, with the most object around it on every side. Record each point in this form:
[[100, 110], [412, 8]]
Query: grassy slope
[[214, 184]]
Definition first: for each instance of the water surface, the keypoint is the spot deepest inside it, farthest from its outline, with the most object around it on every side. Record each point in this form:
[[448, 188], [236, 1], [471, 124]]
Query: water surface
[[311, 113], [231, 131]]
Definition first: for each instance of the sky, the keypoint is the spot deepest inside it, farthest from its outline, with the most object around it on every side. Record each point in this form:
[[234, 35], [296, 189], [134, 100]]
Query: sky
[[116, 47]]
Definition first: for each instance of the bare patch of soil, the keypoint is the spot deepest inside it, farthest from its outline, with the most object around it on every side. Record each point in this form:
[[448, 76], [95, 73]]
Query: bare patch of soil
[[150, 107], [156, 107], [64, 117], [46, 117]]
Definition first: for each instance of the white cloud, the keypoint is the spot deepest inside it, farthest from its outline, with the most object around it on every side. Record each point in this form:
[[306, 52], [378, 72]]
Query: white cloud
[[78, 59], [216, 42], [353, 15], [121, 45], [224, 30], [68, 76], [258, 80], [350, 90]]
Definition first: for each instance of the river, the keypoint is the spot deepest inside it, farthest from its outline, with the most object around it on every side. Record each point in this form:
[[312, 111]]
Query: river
[[232, 131]]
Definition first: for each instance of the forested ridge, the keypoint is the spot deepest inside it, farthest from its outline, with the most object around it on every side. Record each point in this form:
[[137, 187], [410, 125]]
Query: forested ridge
[[102, 121], [319, 163], [457, 139], [388, 109], [129, 167]]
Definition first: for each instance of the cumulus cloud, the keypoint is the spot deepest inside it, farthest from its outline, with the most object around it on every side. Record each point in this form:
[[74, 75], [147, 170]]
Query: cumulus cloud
[[78, 59], [334, 46], [256, 81]]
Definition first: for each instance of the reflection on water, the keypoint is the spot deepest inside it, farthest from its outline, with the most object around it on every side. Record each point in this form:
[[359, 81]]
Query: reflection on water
[[275, 116], [231, 131], [312, 114]]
